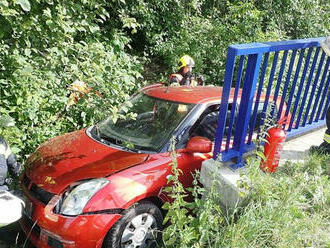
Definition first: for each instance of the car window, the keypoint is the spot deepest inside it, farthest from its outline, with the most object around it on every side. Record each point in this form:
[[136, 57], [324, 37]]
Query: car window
[[207, 124], [155, 121]]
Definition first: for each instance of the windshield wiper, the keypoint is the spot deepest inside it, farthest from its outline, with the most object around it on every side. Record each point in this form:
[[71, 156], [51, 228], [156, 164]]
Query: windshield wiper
[[113, 141], [118, 142], [110, 140]]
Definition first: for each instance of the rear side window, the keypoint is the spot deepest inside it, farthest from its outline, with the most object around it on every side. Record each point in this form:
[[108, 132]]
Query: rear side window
[[207, 124]]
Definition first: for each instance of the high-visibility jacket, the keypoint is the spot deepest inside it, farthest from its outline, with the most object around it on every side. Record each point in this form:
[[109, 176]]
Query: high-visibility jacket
[[8, 162], [327, 138]]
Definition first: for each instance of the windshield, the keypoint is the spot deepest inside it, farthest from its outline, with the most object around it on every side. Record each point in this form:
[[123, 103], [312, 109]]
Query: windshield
[[155, 121]]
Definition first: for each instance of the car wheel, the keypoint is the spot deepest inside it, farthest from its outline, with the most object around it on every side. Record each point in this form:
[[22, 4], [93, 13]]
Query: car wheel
[[139, 227]]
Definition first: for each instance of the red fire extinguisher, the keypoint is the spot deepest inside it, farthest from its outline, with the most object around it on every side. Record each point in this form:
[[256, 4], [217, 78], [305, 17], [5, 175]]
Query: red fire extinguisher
[[273, 147]]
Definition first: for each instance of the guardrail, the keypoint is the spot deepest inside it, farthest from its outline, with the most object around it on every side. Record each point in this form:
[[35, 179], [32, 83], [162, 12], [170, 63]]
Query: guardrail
[[271, 80]]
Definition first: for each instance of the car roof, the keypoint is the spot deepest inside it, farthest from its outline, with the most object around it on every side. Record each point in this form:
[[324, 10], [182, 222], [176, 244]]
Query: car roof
[[186, 94], [194, 95]]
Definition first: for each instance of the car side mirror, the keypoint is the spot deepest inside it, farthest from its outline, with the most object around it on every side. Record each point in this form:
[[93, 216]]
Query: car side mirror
[[199, 144]]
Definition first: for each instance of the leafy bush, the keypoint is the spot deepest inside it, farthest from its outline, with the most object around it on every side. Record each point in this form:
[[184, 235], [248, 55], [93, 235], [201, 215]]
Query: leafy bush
[[296, 18], [45, 45], [44, 49]]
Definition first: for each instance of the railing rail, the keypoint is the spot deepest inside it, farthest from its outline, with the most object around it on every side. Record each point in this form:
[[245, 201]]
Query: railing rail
[[269, 81]]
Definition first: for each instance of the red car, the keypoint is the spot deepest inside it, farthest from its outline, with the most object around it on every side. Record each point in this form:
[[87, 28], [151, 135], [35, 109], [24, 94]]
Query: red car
[[103, 186]]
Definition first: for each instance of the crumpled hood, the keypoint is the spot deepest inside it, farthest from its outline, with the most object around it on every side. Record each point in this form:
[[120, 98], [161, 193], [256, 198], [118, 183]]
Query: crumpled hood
[[75, 156]]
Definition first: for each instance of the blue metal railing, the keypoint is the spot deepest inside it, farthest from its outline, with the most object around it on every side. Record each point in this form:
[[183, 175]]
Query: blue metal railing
[[269, 81]]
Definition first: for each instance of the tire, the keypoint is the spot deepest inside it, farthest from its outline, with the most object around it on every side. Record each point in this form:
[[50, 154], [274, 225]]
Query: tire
[[139, 227]]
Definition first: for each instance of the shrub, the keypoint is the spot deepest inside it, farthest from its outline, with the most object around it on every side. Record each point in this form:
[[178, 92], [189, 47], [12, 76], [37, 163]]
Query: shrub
[[45, 48], [46, 45]]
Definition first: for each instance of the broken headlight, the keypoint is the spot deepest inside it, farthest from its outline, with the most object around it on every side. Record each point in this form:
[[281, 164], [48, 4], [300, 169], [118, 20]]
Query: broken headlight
[[75, 201]]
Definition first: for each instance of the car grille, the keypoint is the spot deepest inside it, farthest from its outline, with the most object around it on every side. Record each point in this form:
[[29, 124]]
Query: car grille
[[37, 192]]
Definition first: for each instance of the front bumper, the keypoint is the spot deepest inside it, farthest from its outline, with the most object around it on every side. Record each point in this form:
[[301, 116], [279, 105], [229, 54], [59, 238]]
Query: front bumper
[[46, 229], [78, 232]]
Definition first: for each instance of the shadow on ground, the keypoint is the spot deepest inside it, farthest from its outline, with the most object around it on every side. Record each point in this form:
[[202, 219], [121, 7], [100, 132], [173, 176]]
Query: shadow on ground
[[11, 236]]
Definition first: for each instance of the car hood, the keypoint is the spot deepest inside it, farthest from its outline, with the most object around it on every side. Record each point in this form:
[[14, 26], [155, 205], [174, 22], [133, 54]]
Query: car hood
[[75, 156]]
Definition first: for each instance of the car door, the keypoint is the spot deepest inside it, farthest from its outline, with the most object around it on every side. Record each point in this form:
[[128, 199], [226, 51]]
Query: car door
[[205, 126]]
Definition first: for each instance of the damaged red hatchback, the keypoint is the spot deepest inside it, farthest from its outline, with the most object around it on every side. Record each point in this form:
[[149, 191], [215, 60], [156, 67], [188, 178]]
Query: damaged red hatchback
[[103, 186]]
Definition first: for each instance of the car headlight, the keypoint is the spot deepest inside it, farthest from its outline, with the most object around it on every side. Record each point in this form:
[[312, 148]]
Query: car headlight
[[75, 201]]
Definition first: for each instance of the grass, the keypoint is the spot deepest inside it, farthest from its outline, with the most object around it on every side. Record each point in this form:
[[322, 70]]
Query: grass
[[290, 208], [287, 209]]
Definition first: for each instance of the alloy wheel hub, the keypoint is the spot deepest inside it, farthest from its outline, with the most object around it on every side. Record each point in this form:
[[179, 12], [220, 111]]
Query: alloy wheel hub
[[138, 232]]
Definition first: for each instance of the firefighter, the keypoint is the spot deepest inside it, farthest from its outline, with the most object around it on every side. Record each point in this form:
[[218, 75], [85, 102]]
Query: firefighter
[[184, 76], [8, 161]]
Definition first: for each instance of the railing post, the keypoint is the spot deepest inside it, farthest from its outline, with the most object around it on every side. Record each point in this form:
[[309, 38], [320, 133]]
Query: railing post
[[295, 96], [248, 92], [224, 101]]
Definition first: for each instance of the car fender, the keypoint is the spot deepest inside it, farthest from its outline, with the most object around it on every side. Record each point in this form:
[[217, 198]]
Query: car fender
[[130, 186]]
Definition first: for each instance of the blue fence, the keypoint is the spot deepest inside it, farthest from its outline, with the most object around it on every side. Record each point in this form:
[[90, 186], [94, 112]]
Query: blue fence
[[265, 82]]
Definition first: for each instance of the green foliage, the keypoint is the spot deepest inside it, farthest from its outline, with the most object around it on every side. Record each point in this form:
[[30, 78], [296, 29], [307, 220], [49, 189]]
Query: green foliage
[[191, 224], [45, 48], [296, 18], [45, 45], [205, 30], [287, 209]]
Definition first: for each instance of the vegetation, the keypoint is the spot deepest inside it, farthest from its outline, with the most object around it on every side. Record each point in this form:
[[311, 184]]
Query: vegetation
[[287, 209], [117, 46]]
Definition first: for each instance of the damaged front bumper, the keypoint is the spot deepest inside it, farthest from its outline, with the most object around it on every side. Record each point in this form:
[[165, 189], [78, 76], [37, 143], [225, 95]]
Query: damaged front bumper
[[46, 229]]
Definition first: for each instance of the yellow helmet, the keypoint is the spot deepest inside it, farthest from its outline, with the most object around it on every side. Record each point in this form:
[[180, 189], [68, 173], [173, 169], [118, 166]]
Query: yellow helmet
[[186, 60]]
